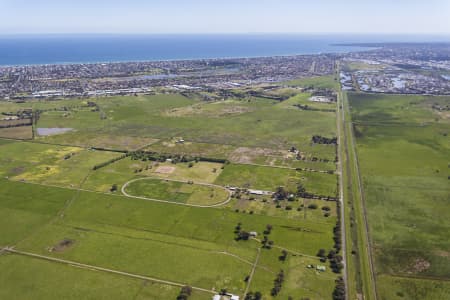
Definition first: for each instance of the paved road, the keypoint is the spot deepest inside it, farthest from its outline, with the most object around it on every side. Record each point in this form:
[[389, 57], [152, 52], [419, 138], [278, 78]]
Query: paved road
[[340, 121], [85, 266], [173, 202]]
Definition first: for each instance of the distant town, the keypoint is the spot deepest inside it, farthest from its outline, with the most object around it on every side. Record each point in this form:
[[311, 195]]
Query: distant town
[[390, 68]]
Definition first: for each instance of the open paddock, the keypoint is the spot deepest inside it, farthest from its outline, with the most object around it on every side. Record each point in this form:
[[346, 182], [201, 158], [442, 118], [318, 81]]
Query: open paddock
[[20, 133], [403, 147], [270, 178], [176, 191]]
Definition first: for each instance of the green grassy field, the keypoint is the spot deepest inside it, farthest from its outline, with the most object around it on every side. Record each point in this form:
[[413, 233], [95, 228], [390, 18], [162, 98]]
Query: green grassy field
[[328, 82], [8, 107], [54, 203], [197, 263], [176, 191], [127, 169], [270, 178], [255, 123], [143, 237], [403, 151], [304, 99], [26, 207], [360, 65], [220, 151], [361, 278], [296, 209], [29, 278], [49, 164], [300, 282]]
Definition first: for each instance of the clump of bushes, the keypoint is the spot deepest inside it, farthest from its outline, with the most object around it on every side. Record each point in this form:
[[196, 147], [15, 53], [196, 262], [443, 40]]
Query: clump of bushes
[[312, 206], [185, 293]]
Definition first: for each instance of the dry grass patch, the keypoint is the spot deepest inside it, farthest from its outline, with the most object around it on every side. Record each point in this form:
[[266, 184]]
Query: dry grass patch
[[62, 245], [165, 169], [252, 155], [22, 132]]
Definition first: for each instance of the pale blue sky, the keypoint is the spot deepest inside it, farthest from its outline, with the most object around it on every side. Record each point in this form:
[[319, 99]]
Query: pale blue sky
[[228, 16]]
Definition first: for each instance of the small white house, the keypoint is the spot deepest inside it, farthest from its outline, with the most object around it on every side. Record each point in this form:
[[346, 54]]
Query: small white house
[[225, 297], [259, 192], [321, 268]]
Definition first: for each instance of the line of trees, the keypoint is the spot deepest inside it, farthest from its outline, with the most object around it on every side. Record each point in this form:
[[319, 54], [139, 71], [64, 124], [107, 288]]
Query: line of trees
[[278, 283], [161, 157], [318, 139], [253, 296], [282, 194], [302, 193], [307, 107], [314, 159], [108, 162], [339, 290], [109, 150], [154, 156], [36, 116], [310, 169], [16, 125], [337, 237]]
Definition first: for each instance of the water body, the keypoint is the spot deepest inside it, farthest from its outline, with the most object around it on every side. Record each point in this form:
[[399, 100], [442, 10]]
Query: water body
[[157, 76], [52, 131], [59, 49], [56, 49]]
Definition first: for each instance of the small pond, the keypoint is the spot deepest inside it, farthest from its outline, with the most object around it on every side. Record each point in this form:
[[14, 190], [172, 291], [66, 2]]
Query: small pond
[[52, 131]]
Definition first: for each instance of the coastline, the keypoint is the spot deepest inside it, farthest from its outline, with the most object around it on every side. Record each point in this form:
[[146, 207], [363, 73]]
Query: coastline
[[19, 51], [181, 59]]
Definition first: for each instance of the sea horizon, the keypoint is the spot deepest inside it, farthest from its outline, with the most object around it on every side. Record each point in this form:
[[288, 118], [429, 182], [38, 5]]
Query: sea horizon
[[52, 49]]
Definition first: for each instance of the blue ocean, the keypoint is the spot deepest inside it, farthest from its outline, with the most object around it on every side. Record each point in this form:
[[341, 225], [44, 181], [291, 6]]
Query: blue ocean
[[60, 49]]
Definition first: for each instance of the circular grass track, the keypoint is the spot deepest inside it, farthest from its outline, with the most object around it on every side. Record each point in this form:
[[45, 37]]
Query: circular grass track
[[180, 192]]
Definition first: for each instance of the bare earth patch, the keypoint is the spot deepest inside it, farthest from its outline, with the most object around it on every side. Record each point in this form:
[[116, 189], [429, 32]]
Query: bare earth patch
[[17, 170], [420, 265], [209, 110], [249, 155], [442, 253], [235, 110], [122, 142], [165, 170], [23, 132]]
